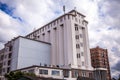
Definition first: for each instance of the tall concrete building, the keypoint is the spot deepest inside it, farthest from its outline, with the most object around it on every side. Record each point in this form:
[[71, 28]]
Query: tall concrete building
[[68, 35], [99, 59], [62, 45]]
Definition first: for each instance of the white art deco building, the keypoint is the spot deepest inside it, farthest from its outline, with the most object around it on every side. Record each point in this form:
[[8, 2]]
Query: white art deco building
[[68, 35], [60, 47]]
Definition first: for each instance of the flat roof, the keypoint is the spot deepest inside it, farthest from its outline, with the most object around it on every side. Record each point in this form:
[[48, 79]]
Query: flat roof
[[29, 39], [33, 66], [32, 39]]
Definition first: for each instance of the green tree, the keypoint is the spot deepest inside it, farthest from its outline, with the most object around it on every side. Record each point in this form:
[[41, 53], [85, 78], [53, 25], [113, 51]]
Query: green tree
[[17, 75], [14, 75]]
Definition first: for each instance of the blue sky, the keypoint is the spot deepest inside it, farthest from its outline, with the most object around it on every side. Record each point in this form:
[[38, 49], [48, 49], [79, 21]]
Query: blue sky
[[20, 17]]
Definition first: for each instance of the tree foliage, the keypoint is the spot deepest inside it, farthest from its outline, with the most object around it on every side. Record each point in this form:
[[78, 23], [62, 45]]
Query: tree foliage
[[17, 75]]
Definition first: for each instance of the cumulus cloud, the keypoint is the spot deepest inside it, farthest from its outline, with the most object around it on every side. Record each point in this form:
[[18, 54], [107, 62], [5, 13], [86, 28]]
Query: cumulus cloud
[[103, 17]]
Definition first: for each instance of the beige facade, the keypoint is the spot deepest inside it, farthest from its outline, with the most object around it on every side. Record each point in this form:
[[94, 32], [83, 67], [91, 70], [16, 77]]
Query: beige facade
[[99, 59]]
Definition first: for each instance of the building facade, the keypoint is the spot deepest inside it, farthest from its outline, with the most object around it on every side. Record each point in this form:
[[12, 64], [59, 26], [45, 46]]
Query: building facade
[[23, 52], [61, 43], [68, 36], [1, 59], [58, 73], [99, 59]]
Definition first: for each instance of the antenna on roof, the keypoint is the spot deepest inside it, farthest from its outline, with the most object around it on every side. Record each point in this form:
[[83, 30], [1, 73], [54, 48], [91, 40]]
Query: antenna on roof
[[34, 34], [34, 29], [74, 8], [64, 9], [75, 11]]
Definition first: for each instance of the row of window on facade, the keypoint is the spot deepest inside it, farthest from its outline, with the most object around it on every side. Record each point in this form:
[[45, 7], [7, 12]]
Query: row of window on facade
[[54, 24], [37, 32], [78, 45], [66, 73], [78, 36], [6, 69], [97, 54], [7, 62], [78, 27], [78, 54], [5, 56]]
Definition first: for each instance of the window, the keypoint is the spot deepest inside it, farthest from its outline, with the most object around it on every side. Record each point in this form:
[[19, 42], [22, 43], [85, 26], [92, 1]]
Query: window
[[81, 44], [78, 55], [42, 71], [81, 36], [77, 36], [90, 75], [8, 69], [83, 64], [75, 73], [54, 23], [43, 29], [56, 73], [60, 19], [61, 25], [76, 27], [93, 60], [2, 57], [3, 70], [83, 22], [66, 73], [5, 56], [76, 19], [102, 54], [57, 21], [82, 54], [77, 46], [10, 55], [10, 48], [84, 74], [48, 26], [38, 36], [104, 62], [9, 62], [4, 63], [31, 71]]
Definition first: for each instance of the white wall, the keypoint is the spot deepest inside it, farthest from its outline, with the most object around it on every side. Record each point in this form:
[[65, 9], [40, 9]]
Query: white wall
[[63, 41], [28, 52]]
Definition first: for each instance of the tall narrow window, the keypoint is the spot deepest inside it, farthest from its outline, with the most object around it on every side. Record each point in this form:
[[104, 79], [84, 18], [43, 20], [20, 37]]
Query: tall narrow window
[[76, 27], [81, 36], [81, 44], [82, 54], [77, 36], [77, 46], [83, 64]]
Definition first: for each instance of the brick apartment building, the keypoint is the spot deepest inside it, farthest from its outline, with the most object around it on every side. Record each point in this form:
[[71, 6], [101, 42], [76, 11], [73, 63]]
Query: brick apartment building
[[99, 59]]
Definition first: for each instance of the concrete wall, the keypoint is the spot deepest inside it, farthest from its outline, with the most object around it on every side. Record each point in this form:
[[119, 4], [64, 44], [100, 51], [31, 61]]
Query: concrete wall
[[63, 42], [29, 52]]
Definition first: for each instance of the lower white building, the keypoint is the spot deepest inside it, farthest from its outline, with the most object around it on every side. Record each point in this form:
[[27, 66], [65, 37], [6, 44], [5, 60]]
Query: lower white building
[[23, 52], [58, 73]]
